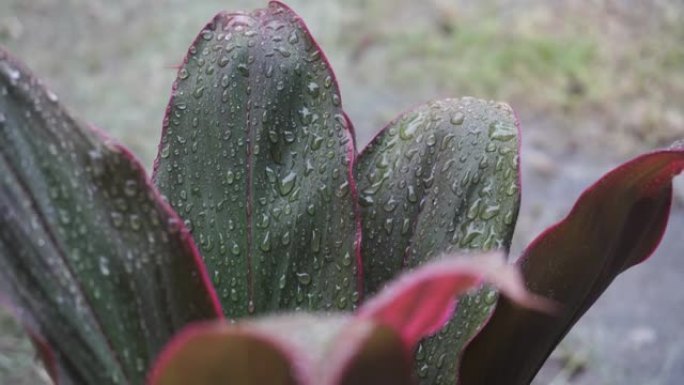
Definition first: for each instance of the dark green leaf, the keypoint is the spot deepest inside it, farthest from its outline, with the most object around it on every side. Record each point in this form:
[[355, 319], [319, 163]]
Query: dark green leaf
[[256, 155], [441, 178], [615, 224], [97, 266]]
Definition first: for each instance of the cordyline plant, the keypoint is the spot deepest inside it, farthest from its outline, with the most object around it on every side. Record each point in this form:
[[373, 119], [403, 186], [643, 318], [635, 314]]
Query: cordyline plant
[[296, 232]]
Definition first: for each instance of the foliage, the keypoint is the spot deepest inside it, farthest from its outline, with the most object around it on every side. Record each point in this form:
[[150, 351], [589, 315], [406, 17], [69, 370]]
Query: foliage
[[258, 167]]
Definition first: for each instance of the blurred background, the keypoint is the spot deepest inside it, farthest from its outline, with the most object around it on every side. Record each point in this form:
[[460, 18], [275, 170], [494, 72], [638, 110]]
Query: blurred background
[[593, 82]]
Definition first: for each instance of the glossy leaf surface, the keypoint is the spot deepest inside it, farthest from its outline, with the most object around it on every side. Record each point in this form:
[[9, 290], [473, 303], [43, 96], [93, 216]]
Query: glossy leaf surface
[[440, 178], [97, 266], [615, 224], [256, 155]]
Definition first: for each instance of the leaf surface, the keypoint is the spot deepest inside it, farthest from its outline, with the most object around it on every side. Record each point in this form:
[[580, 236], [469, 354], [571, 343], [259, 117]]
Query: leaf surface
[[372, 347], [420, 303], [614, 225], [100, 270], [439, 179], [293, 349], [256, 155]]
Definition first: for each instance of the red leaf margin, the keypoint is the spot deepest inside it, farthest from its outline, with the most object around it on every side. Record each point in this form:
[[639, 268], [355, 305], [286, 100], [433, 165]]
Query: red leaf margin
[[525, 340], [349, 130], [43, 349]]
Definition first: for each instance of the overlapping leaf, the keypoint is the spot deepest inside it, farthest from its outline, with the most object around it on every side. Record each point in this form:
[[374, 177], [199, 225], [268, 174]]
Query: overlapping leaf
[[96, 265], [441, 178], [256, 155], [615, 224], [372, 347]]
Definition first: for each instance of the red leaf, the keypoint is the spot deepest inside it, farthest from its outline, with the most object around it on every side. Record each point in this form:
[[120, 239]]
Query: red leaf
[[420, 303], [615, 224], [301, 349]]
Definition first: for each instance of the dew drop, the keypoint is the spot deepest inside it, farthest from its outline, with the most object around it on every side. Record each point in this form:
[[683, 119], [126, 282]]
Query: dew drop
[[501, 131], [287, 183], [265, 245], [304, 278], [104, 265], [457, 119]]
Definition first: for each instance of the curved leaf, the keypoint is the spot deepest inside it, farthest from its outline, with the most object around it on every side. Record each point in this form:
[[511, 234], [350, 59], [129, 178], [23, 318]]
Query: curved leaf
[[223, 354], [615, 224], [256, 155], [441, 178], [301, 349], [420, 303], [97, 266], [373, 347]]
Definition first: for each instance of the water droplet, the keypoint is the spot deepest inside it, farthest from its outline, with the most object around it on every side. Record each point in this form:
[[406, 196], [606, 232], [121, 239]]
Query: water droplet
[[457, 118], [131, 188], [390, 205], [411, 194], [304, 278], [293, 38], [104, 265], [199, 91], [134, 220], [265, 245], [230, 177], [243, 69], [287, 183], [12, 74], [341, 302], [223, 61], [183, 73], [117, 219], [207, 34], [490, 212], [282, 51], [51, 96], [501, 131], [316, 142], [490, 297], [314, 89], [285, 238], [250, 307], [235, 249], [408, 129], [315, 241]]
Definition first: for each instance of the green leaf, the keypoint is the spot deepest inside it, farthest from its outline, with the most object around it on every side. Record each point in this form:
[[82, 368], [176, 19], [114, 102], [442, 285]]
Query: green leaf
[[256, 155], [440, 178], [614, 225], [97, 266]]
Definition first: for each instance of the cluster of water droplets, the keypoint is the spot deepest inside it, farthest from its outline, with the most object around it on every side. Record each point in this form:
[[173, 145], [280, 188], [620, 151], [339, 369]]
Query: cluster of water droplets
[[442, 178], [79, 212], [255, 157]]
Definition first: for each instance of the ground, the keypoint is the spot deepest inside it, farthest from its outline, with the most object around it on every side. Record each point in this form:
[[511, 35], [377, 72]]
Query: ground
[[594, 83]]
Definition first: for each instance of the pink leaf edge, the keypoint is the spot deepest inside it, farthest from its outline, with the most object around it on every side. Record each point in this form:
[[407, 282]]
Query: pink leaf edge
[[420, 303]]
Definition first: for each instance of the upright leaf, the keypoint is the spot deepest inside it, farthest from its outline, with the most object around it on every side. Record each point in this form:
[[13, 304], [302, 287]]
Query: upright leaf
[[615, 224], [256, 155], [97, 266], [440, 178]]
